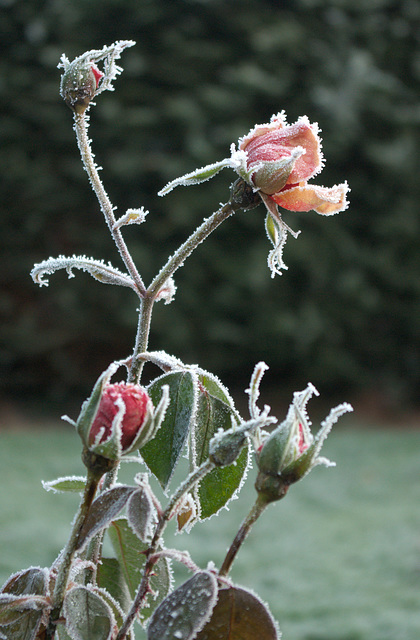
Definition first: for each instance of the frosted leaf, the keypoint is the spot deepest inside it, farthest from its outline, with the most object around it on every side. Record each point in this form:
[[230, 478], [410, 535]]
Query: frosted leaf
[[254, 388], [132, 216], [277, 231], [326, 427], [162, 360], [186, 610], [238, 160], [240, 613], [88, 616], [141, 512], [72, 484], [196, 177], [102, 272], [167, 292]]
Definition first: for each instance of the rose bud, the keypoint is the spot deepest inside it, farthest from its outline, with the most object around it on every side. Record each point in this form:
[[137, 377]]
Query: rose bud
[[291, 451], [117, 419], [79, 84], [125, 405]]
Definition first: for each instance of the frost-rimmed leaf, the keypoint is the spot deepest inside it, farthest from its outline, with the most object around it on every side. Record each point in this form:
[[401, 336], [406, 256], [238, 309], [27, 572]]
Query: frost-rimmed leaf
[[104, 509], [186, 610], [163, 452], [215, 411], [110, 576], [132, 216], [130, 555], [105, 273], [14, 607], [88, 616], [140, 513], [237, 162], [196, 177], [66, 484], [115, 607], [30, 582], [239, 615]]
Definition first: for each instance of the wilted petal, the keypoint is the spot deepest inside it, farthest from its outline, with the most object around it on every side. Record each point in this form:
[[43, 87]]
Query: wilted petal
[[326, 201]]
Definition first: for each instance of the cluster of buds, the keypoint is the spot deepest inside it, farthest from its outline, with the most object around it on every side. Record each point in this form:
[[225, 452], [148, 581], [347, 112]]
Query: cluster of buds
[[291, 451]]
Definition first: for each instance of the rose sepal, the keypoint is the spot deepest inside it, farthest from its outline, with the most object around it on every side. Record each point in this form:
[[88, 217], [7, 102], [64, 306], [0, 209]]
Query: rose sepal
[[90, 408]]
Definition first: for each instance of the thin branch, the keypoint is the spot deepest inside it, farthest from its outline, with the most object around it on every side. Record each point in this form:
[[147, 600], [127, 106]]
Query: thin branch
[[170, 510], [103, 199], [69, 551], [252, 517]]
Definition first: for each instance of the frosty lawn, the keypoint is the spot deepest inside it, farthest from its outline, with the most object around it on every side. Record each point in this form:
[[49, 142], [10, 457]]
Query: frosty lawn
[[347, 543]]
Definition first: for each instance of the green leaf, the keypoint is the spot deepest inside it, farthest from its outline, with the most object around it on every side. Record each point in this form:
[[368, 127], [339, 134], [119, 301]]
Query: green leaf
[[110, 576], [239, 615], [115, 607], [215, 388], [14, 607], [30, 582], [272, 230], [186, 610], [104, 509], [215, 411], [88, 616], [220, 485], [197, 176], [130, 555], [62, 632], [163, 452], [71, 484]]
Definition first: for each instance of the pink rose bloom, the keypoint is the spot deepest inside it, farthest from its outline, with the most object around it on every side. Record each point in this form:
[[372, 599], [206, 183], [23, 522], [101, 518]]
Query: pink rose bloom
[[285, 158], [135, 404]]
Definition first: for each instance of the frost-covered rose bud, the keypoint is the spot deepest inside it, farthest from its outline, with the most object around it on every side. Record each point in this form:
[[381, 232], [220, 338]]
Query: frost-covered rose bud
[[291, 451], [79, 84], [124, 405], [82, 80], [117, 419]]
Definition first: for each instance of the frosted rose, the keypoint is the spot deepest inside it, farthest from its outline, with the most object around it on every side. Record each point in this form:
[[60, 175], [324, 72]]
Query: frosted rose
[[276, 160], [285, 157], [127, 404]]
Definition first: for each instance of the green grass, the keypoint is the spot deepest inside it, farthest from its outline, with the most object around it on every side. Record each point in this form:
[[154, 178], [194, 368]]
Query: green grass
[[337, 559]]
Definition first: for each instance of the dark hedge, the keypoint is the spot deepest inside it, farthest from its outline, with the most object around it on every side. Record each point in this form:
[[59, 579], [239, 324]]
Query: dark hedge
[[346, 313]]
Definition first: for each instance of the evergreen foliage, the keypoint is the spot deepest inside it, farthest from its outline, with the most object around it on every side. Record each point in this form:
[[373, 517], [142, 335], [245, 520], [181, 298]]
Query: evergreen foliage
[[202, 74]]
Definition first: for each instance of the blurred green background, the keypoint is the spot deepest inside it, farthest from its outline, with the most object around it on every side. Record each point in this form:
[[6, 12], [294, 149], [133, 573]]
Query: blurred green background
[[346, 315]]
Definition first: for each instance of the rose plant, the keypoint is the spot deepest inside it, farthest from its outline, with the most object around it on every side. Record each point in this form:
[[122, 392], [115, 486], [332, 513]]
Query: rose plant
[[84, 594]]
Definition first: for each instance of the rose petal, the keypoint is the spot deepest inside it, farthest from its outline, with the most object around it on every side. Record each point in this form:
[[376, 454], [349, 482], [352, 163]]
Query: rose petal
[[325, 201], [277, 122], [277, 143]]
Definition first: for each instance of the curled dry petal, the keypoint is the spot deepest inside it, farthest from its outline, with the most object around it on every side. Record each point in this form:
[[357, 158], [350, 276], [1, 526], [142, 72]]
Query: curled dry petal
[[323, 200]]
